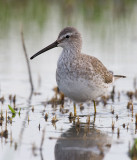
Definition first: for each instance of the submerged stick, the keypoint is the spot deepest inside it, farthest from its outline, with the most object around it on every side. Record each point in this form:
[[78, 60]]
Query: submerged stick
[[32, 88], [27, 61], [42, 139], [41, 145]]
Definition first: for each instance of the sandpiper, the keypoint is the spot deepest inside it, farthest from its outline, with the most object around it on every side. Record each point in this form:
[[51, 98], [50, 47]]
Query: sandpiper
[[79, 76]]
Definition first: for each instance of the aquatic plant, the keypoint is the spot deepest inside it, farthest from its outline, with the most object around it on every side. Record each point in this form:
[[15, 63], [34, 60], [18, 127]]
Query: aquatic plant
[[133, 151], [12, 110]]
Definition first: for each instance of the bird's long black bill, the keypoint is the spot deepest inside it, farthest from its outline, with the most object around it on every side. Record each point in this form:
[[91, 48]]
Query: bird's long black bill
[[53, 45]]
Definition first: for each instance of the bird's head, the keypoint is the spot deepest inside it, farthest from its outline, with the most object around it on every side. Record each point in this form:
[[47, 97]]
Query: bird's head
[[69, 38]]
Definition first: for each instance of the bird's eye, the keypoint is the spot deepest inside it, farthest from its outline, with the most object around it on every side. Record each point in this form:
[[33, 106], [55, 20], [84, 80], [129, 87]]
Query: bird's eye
[[67, 36]]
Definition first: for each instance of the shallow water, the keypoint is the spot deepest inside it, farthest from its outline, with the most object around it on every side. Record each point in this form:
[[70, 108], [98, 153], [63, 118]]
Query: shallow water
[[112, 38]]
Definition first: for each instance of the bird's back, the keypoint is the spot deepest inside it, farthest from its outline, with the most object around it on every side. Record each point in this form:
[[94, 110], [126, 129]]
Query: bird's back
[[91, 68]]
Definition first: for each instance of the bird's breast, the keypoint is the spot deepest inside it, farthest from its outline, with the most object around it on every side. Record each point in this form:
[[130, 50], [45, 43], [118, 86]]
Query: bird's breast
[[77, 81]]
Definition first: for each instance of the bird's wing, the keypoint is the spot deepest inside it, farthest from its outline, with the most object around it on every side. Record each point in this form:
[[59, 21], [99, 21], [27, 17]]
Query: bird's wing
[[101, 70]]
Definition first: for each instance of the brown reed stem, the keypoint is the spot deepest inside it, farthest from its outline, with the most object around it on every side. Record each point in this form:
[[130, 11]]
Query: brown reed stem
[[27, 60]]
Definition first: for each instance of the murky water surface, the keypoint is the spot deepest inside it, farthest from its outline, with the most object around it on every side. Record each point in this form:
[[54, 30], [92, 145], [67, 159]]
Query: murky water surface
[[108, 34]]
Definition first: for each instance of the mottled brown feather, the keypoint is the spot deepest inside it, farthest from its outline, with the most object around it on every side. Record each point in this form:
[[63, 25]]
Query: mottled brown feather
[[101, 70], [92, 65]]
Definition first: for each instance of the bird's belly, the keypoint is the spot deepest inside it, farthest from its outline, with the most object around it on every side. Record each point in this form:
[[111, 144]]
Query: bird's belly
[[80, 90]]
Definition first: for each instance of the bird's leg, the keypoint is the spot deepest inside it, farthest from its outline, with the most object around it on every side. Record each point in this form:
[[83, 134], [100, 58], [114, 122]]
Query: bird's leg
[[94, 106], [75, 112], [94, 120]]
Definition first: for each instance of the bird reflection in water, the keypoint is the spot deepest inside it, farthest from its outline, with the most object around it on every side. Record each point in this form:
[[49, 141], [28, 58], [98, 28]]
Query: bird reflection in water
[[82, 142]]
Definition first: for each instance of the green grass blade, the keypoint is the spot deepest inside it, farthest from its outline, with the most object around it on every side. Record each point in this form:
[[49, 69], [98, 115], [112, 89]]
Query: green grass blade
[[11, 109]]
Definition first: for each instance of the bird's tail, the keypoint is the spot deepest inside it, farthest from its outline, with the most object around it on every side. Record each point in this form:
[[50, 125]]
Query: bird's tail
[[118, 76]]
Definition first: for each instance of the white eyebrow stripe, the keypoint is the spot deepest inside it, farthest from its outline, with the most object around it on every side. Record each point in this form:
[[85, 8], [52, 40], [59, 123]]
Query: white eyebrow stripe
[[64, 35]]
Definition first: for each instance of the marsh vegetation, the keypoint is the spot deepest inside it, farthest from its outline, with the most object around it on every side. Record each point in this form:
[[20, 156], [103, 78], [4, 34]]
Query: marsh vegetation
[[43, 126]]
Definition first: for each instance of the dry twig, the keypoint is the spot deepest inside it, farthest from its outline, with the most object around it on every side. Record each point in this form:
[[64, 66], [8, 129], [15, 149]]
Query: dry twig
[[27, 61]]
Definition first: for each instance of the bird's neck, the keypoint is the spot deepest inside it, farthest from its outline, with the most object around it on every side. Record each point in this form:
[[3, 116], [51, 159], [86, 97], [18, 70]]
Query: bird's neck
[[67, 56], [70, 53]]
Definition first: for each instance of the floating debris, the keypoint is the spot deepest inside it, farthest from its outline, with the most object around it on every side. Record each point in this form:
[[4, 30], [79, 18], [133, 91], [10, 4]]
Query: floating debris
[[11, 139], [46, 117], [39, 127], [108, 145], [1, 116], [75, 111], [58, 98], [34, 149], [56, 90], [117, 117], [14, 100], [10, 119], [10, 98], [130, 105], [1, 122], [88, 120], [15, 145], [130, 94], [54, 101], [78, 122], [42, 139], [112, 111], [4, 133], [113, 93], [81, 107], [63, 110], [2, 99], [6, 117], [77, 126], [32, 109], [54, 120], [136, 120], [104, 100], [118, 96], [37, 93], [118, 133], [113, 125], [71, 115], [136, 93], [127, 127], [124, 125], [61, 97]]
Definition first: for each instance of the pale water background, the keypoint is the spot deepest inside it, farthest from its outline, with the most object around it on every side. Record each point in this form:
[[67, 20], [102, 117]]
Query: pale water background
[[109, 32]]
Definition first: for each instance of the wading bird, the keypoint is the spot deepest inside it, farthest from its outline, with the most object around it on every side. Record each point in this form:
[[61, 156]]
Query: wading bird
[[79, 76]]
